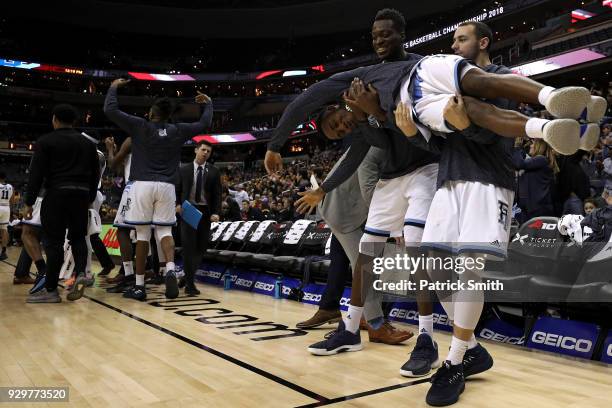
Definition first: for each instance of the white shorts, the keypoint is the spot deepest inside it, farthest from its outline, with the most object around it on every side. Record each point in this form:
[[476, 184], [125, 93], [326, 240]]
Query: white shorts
[[400, 206], [469, 217], [435, 80], [94, 224], [98, 201], [152, 202], [5, 216], [124, 206], [35, 221]]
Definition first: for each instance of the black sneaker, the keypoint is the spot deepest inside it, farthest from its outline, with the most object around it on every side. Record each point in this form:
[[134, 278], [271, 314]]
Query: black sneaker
[[172, 289], [158, 279], [336, 342], [105, 271], [181, 282], [3, 256], [39, 283], [446, 385], [423, 358], [191, 290], [136, 292], [124, 285], [476, 361]]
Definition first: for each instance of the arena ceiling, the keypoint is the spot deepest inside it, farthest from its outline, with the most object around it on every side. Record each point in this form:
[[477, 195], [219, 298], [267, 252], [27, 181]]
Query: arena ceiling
[[230, 19]]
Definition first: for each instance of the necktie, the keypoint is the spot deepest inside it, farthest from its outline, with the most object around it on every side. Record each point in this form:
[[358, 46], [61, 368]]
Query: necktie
[[199, 185]]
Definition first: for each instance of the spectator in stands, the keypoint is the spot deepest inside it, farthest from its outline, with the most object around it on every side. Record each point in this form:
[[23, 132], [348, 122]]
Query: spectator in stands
[[249, 213], [590, 205], [239, 194], [572, 185], [229, 208], [606, 173], [536, 179], [286, 211]]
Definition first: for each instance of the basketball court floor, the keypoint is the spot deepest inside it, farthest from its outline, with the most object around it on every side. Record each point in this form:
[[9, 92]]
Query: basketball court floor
[[231, 349]]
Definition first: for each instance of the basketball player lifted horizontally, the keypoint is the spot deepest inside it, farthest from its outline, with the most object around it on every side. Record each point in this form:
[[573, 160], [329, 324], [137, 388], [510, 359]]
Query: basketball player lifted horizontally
[[156, 151]]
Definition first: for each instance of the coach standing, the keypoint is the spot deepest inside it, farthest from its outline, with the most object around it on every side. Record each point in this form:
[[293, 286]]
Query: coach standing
[[66, 165], [200, 184]]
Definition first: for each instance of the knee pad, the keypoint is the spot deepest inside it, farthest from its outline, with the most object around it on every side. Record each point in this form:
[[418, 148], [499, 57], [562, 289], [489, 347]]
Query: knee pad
[[143, 233], [162, 231], [372, 245]]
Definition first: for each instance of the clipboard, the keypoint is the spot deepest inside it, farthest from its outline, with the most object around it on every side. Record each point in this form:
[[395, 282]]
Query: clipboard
[[191, 215]]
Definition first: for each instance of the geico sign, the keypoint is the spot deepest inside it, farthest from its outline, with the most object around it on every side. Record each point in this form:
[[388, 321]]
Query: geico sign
[[345, 301], [414, 315], [286, 290], [556, 340], [212, 274], [491, 335], [313, 297], [609, 350], [268, 287], [243, 282]]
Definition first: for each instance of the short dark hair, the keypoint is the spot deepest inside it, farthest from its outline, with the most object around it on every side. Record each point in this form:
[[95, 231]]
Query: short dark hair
[[246, 201], [163, 108], [482, 30], [588, 200], [203, 142], [66, 114], [394, 15]]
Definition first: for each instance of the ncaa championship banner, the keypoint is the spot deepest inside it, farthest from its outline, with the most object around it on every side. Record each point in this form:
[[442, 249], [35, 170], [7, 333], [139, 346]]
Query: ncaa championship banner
[[109, 239]]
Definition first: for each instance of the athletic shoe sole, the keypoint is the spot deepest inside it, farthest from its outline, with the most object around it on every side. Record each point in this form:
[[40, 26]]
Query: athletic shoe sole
[[568, 102], [77, 290], [55, 300], [412, 374], [595, 109], [563, 135], [172, 289], [446, 402], [589, 137], [341, 349], [312, 326]]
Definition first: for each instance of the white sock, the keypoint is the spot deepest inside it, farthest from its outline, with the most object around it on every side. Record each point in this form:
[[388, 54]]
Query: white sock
[[352, 318], [544, 94], [535, 127], [472, 342], [457, 351], [139, 280], [170, 266], [162, 270], [128, 268], [426, 325]]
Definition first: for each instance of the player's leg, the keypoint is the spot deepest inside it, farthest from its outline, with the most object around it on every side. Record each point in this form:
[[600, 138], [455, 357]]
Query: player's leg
[[164, 217], [4, 239]]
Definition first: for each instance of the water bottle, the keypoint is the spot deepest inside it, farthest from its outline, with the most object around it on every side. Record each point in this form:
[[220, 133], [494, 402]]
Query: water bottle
[[278, 287], [227, 281]]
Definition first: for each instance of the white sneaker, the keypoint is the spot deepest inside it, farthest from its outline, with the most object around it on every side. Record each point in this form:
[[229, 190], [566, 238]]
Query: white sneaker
[[595, 109], [589, 136], [568, 102]]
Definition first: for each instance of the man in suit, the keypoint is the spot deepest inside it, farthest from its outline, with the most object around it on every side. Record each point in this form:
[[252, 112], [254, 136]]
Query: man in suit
[[200, 184]]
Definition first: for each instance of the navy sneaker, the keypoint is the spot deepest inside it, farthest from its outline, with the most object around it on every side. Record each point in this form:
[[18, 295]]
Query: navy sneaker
[[39, 283], [423, 358], [3, 256], [446, 385], [336, 342], [476, 361], [136, 292], [124, 285], [172, 289]]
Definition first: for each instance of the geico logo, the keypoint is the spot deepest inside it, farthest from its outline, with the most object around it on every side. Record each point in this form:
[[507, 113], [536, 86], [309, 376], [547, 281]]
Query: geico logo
[[312, 297], [568, 343], [491, 335], [441, 319], [268, 287], [214, 274], [286, 290], [243, 282], [404, 314], [609, 350], [345, 301]]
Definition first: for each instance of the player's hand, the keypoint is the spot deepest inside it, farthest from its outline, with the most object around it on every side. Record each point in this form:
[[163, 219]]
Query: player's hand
[[119, 82], [214, 218], [202, 98], [455, 113], [403, 120], [179, 209], [365, 98], [309, 200], [348, 100], [110, 144], [27, 212], [273, 162]]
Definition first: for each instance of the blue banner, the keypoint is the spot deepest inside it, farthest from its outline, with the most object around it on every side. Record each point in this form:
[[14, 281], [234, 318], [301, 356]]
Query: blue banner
[[503, 332], [407, 312], [210, 273], [265, 284], [288, 284], [312, 293], [345, 301], [243, 279], [564, 336], [606, 353]]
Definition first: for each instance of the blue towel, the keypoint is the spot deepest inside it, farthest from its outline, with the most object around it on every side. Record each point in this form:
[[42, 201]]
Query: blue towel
[[191, 215]]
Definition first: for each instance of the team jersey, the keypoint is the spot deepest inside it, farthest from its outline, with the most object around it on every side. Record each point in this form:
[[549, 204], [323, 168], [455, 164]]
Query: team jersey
[[6, 192]]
